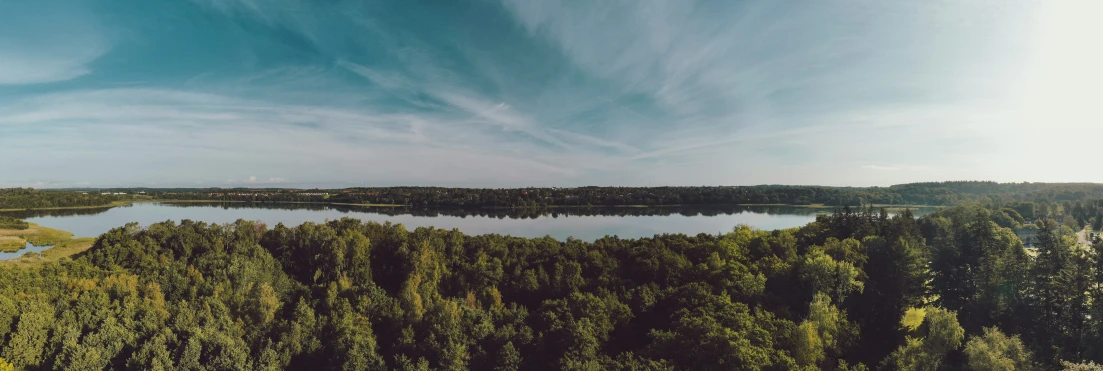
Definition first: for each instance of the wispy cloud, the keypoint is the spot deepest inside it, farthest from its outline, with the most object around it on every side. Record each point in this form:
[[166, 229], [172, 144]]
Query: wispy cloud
[[55, 44], [19, 69], [186, 132], [533, 93]]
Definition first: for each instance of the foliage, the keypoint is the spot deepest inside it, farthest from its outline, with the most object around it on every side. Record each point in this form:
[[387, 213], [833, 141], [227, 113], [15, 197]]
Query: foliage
[[939, 193], [29, 198], [853, 288], [7, 222], [994, 351], [1087, 366], [926, 347]]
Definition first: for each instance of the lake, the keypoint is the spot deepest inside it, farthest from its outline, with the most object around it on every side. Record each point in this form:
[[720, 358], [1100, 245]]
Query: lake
[[586, 224]]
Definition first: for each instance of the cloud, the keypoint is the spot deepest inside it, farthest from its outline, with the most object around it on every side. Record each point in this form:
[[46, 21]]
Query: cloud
[[56, 44], [542, 93], [175, 134], [719, 74], [475, 109], [37, 69]]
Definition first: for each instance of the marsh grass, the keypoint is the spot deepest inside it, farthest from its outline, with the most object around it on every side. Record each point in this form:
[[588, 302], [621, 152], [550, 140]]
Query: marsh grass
[[12, 240], [62, 250], [11, 243]]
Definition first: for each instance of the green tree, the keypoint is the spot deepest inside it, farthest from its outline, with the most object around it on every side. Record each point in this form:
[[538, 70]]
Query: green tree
[[994, 351], [825, 333], [26, 347], [1087, 366], [824, 274], [897, 274], [1054, 286], [927, 345], [509, 359]]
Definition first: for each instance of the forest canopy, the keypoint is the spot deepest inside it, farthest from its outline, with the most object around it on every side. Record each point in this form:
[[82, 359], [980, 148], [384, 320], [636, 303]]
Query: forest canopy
[[937, 193], [854, 290], [29, 198]]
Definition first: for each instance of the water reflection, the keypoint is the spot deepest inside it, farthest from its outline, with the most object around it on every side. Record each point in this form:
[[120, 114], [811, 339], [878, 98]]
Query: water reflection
[[27, 249], [584, 223], [25, 214], [526, 213]]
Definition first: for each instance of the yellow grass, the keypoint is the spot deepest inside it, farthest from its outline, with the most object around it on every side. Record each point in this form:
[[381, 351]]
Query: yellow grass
[[61, 250], [11, 243], [64, 244], [35, 234]]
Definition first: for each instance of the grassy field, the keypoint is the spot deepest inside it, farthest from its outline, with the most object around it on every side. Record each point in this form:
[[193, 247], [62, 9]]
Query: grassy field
[[64, 244]]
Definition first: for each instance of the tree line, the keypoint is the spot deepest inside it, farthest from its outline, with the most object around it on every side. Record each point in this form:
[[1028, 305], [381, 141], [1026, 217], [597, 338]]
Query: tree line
[[30, 198], [854, 290], [934, 193]]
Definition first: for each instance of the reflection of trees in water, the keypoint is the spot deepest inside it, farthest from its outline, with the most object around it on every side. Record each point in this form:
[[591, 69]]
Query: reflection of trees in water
[[24, 214], [519, 213], [522, 213]]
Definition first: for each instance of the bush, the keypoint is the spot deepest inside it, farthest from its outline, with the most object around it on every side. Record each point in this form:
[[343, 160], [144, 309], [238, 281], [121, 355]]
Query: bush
[[7, 222]]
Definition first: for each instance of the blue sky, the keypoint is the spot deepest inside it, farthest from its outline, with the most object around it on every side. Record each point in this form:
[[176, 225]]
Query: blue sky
[[547, 93]]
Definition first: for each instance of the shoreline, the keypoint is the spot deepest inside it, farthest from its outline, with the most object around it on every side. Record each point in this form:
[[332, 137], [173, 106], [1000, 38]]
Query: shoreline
[[62, 244], [639, 206]]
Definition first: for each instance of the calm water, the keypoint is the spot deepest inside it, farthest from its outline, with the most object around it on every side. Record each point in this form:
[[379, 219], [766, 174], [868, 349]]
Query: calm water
[[27, 249], [586, 224]]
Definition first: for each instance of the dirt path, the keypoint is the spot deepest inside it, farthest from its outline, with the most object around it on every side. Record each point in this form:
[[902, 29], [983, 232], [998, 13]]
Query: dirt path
[[1082, 236]]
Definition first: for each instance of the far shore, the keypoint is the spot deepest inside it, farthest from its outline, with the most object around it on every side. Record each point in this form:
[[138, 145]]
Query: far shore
[[129, 202]]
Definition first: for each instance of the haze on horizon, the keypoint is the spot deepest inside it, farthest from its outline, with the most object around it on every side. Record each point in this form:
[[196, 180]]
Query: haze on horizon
[[521, 92]]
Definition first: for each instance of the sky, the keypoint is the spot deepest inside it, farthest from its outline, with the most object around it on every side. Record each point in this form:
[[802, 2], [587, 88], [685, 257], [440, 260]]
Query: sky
[[509, 93]]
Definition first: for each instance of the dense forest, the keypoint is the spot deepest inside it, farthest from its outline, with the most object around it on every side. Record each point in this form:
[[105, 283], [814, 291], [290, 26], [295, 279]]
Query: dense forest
[[851, 291], [29, 198], [942, 193], [939, 193]]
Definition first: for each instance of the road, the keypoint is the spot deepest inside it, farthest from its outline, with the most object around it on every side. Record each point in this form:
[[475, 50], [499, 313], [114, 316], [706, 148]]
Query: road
[[1083, 237]]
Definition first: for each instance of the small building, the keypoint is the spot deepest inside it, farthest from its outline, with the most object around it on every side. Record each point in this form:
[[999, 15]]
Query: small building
[[1029, 236]]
